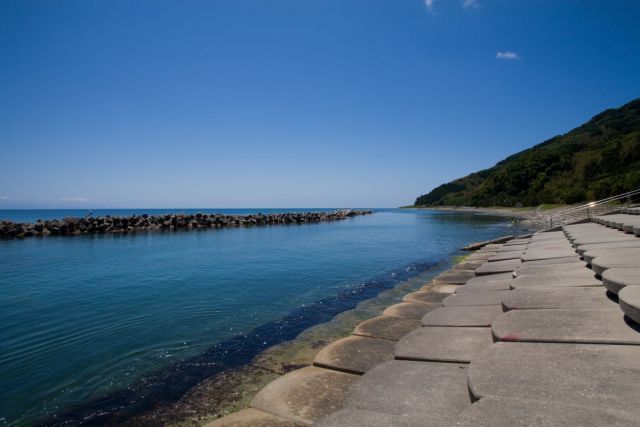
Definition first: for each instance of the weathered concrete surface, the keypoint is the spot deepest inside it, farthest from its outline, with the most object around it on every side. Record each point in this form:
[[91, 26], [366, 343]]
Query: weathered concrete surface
[[511, 248], [444, 344], [611, 245], [412, 310], [477, 256], [547, 253], [630, 302], [253, 418], [618, 237], [361, 418], [595, 326], [614, 279], [508, 412], [441, 287], [305, 395], [502, 256], [553, 270], [355, 354], [626, 253], [621, 260], [569, 297], [496, 285], [489, 278], [468, 265], [426, 296], [435, 390], [387, 327], [559, 281], [475, 298], [592, 375], [476, 316], [517, 242], [570, 261], [551, 235], [497, 267], [453, 276]]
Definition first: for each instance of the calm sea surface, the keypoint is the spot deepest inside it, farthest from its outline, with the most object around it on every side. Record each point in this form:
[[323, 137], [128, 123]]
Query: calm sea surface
[[90, 322]]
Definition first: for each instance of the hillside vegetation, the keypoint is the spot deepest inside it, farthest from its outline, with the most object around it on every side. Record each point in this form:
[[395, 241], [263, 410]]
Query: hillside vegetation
[[601, 158]]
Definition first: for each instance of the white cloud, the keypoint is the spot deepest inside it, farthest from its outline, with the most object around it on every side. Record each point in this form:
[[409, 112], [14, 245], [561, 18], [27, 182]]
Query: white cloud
[[4, 198], [73, 199], [469, 4], [429, 4], [507, 54]]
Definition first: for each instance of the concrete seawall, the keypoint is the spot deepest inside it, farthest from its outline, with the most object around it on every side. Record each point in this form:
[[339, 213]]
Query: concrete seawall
[[169, 222]]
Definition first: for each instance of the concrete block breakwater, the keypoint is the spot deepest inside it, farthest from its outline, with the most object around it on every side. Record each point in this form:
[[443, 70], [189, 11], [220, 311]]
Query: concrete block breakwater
[[169, 222]]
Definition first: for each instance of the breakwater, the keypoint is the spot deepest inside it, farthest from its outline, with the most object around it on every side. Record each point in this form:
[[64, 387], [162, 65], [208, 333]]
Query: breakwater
[[169, 222]]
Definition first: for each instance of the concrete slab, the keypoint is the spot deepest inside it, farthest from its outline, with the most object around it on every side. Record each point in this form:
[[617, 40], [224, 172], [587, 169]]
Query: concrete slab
[[476, 298], [627, 253], [619, 237], [441, 287], [630, 303], [558, 281], [497, 267], [468, 265], [436, 390], [507, 412], [612, 245], [573, 269], [355, 354], [489, 278], [480, 256], [476, 316], [564, 262], [438, 344], [492, 246], [512, 248], [412, 310], [546, 254], [593, 326], [563, 297], [614, 279], [253, 418], [549, 235], [501, 256], [496, 285], [454, 276], [387, 327], [627, 260], [362, 418], [426, 296], [305, 395], [592, 375], [516, 242]]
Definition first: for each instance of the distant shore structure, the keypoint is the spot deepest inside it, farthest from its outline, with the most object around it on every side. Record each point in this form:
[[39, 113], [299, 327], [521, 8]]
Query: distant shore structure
[[170, 222]]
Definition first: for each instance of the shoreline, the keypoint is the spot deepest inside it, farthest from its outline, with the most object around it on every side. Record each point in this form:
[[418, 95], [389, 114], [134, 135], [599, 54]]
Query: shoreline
[[301, 351], [220, 380], [523, 213]]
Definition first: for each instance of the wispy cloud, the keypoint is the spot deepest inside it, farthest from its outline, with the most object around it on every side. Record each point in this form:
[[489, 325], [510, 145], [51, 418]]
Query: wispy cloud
[[507, 54], [469, 4], [429, 4], [4, 198], [73, 199]]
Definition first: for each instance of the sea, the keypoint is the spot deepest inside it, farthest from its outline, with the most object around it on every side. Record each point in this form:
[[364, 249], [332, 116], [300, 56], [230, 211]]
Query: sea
[[96, 329]]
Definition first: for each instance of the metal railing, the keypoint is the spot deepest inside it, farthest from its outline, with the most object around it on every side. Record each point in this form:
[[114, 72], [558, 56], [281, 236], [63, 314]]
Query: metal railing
[[562, 216]]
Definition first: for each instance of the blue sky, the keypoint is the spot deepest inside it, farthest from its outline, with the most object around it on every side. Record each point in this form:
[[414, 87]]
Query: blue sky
[[292, 103]]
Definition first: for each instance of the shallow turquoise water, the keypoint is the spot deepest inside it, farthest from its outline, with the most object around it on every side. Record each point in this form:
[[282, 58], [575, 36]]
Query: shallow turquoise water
[[94, 319]]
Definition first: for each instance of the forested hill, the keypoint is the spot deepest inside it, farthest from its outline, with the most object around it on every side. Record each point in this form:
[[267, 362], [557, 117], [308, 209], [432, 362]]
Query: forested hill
[[598, 159]]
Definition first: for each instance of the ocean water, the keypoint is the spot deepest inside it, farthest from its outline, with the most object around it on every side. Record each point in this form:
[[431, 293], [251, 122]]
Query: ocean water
[[99, 325]]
